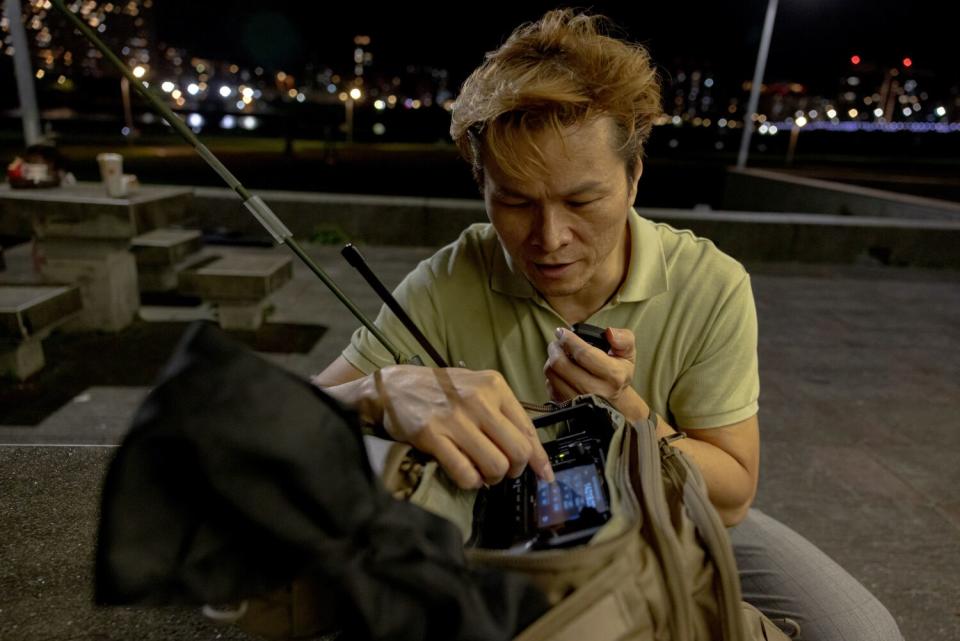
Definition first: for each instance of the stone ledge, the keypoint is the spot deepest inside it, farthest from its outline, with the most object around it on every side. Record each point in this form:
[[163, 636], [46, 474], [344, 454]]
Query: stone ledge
[[84, 210], [165, 247], [27, 311], [817, 238], [771, 191], [27, 315], [790, 235], [237, 277]]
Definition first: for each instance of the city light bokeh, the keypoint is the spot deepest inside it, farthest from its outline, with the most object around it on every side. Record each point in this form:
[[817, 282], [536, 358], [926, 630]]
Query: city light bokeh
[[868, 95]]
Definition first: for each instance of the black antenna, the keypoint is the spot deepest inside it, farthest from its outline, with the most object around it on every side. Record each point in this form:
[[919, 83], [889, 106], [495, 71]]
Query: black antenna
[[356, 260], [264, 215]]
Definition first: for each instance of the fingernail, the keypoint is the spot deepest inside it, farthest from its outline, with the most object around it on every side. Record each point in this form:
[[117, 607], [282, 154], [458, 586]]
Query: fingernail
[[546, 473], [559, 332]]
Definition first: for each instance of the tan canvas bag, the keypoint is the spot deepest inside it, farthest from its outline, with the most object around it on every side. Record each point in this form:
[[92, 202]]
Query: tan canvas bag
[[661, 569]]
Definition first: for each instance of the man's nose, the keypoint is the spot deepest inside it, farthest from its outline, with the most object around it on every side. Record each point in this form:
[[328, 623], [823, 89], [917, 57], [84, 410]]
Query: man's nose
[[553, 231]]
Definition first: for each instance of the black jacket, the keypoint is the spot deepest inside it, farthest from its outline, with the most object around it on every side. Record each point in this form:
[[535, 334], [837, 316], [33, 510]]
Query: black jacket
[[236, 478]]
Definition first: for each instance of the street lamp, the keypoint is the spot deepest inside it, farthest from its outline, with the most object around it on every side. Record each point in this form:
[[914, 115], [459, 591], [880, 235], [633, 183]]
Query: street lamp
[[130, 132], [354, 95], [757, 81], [127, 109], [798, 123]]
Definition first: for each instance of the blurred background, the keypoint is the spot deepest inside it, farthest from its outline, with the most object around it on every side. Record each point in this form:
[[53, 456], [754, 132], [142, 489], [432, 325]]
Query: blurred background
[[860, 91]]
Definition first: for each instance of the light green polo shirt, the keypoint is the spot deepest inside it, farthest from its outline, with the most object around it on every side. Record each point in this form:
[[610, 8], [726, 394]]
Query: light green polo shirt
[[689, 305]]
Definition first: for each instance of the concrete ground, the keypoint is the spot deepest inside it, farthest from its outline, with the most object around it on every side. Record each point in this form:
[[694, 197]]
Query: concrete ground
[[860, 416]]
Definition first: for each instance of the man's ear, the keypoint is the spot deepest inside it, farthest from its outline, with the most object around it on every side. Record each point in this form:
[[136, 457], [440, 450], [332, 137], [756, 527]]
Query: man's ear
[[479, 177]]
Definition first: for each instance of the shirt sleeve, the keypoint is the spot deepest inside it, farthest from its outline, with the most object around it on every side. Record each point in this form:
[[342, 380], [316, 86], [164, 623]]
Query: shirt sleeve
[[415, 296], [722, 385]]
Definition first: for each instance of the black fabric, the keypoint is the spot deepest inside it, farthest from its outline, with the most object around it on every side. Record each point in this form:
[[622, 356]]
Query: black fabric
[[237, 477]]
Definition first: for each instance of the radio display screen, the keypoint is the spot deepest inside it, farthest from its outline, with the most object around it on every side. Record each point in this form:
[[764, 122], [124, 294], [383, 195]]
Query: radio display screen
[[575, 488]]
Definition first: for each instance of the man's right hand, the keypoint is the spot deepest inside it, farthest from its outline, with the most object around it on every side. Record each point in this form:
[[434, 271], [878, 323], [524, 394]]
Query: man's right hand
[[469, 421]]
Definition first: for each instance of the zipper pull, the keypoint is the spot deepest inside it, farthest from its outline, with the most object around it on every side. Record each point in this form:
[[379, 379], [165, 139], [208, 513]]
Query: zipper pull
[[550, 406], [670, 439]]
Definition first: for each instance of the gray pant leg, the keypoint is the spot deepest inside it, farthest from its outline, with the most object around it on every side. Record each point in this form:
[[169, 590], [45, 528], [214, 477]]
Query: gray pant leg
[[784, 575]]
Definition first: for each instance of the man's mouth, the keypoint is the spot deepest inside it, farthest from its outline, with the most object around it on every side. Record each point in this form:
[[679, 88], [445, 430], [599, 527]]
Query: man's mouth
[[553, 270]]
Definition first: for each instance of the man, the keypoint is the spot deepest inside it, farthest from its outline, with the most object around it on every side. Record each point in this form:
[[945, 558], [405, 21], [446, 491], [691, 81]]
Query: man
[[553, 124]]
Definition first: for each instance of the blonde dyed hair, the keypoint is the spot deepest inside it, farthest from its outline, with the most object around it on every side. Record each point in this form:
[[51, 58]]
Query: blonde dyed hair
[[559, 72]]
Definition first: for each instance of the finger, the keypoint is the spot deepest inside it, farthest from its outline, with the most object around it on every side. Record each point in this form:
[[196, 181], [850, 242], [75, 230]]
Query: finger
[[464, 426], [537, 457], [558, 358], [454, 462], [577, 377], [623, 342], [510, 413], [482, 407], [585, 355], [507, 437], [482, 452], [559, 389], [512, 443], [551, 393]]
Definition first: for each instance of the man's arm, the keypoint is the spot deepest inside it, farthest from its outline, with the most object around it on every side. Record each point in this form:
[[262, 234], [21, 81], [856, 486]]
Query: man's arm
[[728, 457], [338, 372], [469, 421]]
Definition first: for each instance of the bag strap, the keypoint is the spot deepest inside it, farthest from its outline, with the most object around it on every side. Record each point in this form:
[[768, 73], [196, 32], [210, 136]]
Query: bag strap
[[714, 535], [644, 469]]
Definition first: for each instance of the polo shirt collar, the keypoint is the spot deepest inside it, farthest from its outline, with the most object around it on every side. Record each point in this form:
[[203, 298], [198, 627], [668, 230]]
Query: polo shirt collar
[[646, 273]]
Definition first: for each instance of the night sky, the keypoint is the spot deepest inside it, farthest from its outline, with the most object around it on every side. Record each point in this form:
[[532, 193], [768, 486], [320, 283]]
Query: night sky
[[812, 42]]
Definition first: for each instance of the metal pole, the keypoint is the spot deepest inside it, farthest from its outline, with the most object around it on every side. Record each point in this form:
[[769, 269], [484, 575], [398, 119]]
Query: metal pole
[[349, 120], [888, 95], [127, 110], [792, 148], [757, 81], [24, 73]]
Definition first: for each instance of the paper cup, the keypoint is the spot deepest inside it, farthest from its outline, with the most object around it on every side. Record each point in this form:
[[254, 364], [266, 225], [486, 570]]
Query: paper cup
[[111, 171]]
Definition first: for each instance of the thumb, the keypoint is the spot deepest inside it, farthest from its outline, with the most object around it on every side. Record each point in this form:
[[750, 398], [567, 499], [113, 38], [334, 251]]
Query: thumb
[[622, 342]]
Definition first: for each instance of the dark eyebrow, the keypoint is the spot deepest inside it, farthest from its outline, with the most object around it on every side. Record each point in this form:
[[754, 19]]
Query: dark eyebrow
[[584, 187], [579, 189], [506, 191]]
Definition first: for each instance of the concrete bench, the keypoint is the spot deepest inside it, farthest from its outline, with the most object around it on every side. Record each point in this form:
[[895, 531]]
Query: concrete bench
[[83, 236], [27, 315], [238, 286], [161, 254]]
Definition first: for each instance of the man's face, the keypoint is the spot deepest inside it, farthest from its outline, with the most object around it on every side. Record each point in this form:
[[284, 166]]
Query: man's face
[[567, 231]]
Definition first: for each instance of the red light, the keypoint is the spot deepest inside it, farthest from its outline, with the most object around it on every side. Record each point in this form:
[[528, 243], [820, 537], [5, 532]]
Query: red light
[[855, 59], [907, 62]]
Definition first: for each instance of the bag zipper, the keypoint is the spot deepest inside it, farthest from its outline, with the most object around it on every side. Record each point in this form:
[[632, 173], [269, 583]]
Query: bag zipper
[[547, 407], [553, 560]]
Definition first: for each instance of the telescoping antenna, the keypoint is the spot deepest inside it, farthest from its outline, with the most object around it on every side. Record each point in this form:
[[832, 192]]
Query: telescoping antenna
[[254, 204], [356, 260]]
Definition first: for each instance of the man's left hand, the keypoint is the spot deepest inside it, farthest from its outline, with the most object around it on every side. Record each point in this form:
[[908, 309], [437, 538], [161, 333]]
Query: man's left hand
[[575, 367]]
